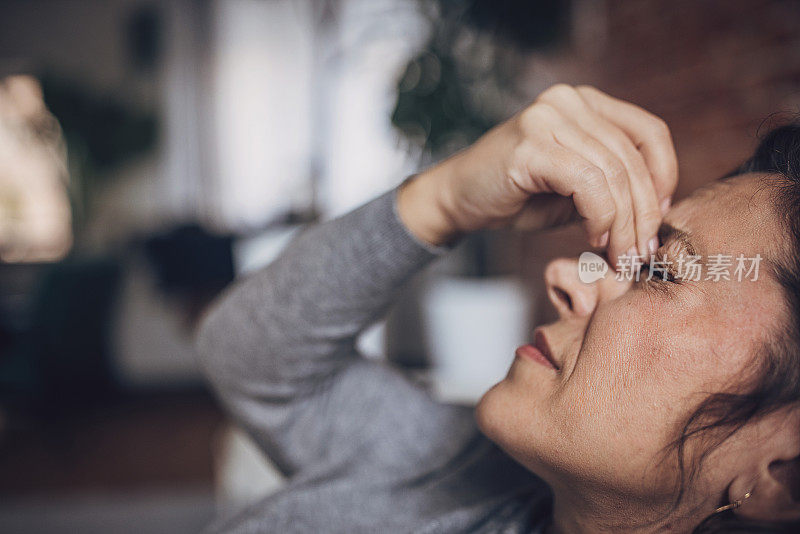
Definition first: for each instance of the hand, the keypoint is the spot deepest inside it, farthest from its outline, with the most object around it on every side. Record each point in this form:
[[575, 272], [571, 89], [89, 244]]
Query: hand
[[575, 153]]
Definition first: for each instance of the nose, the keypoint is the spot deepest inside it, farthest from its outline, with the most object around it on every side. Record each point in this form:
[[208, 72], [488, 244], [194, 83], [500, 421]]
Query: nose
[[573, 298], [570, 296]]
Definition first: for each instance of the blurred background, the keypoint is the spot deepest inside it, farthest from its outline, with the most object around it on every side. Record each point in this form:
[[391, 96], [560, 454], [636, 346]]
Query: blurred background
[[153, 152]]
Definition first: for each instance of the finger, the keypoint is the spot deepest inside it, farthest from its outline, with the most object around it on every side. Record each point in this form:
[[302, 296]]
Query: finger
[[568, 174], [643, 196], [623, 236], [609, 137], [649, 133], [609, 146]]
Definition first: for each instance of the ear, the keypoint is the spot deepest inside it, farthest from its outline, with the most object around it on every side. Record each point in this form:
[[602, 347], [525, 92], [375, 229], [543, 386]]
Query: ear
[[774, 481]]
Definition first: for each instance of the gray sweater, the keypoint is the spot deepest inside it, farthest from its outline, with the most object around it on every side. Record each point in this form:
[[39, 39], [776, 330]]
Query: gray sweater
[[363, 447]]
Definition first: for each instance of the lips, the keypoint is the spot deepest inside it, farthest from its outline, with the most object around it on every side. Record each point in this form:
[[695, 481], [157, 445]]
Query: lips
[[539, 351], [540, 342]]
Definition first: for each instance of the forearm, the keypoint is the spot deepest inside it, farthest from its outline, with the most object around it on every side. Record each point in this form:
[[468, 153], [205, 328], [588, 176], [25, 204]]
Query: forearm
[[296, 320]]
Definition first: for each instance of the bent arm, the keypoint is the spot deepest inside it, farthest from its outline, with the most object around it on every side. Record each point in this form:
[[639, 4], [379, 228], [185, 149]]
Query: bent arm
[[277, 345]]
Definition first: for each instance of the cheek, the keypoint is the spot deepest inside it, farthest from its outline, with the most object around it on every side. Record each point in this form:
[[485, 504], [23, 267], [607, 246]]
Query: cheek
[[703, 344], [615, 353], [635, 364], [647, 361]]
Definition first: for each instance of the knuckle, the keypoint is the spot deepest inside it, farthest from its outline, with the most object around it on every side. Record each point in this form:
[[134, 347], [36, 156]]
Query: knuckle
[[537, 113], [660, 127], [545, 109], [558, 91], [561, 88], [616, 170], [620, 175], [620, 184]]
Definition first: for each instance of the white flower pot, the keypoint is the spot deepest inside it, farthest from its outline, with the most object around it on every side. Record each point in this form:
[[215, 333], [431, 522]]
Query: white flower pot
[[472, 327]]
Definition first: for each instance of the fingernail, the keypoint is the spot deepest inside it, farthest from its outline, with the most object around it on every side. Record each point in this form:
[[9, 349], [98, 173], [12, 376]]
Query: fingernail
[[652, 245], [665, 204], [603, 240]]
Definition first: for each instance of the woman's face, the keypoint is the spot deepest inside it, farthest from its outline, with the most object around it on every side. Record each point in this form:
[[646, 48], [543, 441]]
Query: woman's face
[[634, 359]]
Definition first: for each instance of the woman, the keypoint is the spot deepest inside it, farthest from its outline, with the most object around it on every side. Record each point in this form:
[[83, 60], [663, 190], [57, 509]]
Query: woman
[[652, 405]]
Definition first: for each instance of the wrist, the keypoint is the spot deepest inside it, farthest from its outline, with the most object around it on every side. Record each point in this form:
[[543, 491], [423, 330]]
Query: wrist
[[423, 204]]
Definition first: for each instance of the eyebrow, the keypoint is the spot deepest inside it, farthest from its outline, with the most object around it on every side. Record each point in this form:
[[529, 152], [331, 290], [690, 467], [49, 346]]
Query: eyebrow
[[667, 232]]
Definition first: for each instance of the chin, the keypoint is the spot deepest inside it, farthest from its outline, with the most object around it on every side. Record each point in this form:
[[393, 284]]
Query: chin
[[505, 421], [491, 413]]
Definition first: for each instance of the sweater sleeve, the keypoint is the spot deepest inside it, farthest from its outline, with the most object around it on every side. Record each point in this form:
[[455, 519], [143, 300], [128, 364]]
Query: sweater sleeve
[[278, 348]]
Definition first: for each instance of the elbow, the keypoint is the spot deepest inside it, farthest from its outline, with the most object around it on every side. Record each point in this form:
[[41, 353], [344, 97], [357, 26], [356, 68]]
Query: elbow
[[233, 345], [210, 339]]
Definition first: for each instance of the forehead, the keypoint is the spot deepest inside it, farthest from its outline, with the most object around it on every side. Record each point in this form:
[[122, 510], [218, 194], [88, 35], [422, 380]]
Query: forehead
[[734, 216]]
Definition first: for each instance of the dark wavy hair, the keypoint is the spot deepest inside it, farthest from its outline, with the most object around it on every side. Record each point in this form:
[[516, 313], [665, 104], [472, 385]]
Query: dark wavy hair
[[775, 380]]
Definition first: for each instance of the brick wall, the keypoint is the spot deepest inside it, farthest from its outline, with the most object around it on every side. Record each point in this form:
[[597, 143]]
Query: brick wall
[[712, 69]]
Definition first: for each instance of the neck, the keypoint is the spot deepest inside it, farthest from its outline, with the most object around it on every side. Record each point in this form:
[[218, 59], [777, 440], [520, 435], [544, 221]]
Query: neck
[[597, 512]]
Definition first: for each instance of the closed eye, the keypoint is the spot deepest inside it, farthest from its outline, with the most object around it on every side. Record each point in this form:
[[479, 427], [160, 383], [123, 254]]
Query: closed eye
[[659, 275]]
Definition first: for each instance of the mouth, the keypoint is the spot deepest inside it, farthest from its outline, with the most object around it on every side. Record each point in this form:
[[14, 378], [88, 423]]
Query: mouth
[[539, 351]]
